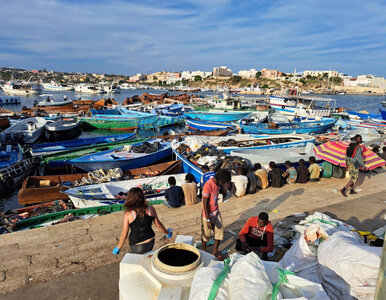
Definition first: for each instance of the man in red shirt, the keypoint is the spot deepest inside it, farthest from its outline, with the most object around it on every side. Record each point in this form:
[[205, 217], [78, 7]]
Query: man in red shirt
[[257, 234], [211, 217]]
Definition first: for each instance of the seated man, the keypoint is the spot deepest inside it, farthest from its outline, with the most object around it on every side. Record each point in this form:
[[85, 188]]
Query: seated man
[[240, 182], [290, 174], [302, 172], [314, 169], [275, 175], [190, 190], [256, 235], [261, 175], [174, 195]]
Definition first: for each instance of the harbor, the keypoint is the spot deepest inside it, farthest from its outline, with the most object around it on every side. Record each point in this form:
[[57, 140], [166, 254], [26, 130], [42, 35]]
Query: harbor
[[75, 161]]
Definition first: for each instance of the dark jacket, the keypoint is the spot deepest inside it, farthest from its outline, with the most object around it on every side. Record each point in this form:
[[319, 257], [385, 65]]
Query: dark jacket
[[303, 175], [275, 177]]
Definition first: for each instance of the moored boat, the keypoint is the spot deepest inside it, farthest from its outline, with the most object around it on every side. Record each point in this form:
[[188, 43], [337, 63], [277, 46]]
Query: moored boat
[[290, 128], [217, 116], [63, 129], [109, 193], [37, 189], [28, 131], [208, 125], [136, 155]]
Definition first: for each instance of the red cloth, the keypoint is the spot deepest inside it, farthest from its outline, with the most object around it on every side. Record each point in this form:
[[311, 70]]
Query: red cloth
[[252, 229], [211, 190]]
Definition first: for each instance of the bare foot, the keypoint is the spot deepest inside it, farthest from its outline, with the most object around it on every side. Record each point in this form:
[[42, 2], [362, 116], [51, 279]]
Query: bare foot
[[218, 256]]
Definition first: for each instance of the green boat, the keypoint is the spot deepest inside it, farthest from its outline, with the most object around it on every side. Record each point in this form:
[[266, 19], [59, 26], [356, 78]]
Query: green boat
[[58, 161], [37, 221]]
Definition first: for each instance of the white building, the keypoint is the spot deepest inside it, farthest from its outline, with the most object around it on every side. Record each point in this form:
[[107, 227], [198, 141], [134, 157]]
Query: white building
[[186, 75], [365, 81], [247, 73], [320, 73], [222, 71]]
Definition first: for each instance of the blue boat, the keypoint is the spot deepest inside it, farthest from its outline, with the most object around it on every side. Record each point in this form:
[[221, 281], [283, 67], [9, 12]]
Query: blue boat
[[121, 158], [364, 116], [217, 116], [46, 148], [188, 167], [168, 110], [290, 128], [207, 125], [383, 114]]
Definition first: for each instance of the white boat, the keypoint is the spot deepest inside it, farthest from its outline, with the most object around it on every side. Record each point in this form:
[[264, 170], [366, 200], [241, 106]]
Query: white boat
[[300, 106], [15, 88], [64, 128], [9, 100], [49, 100], [53, 86], [279, 156], [89, 89], [29, 130], [112, 89], [108, 193]]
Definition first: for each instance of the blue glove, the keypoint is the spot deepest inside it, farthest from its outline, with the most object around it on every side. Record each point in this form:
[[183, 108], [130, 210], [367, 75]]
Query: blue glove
[[170, 233], [116, 251]]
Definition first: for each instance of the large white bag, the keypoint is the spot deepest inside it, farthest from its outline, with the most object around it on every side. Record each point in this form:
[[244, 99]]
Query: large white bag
[[292, 286], [248, 279], [349, 267]]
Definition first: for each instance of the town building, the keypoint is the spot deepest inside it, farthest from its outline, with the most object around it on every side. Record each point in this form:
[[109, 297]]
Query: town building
[[247, 73], [222, 71], [320, 73], [271, 74], [137, 78]]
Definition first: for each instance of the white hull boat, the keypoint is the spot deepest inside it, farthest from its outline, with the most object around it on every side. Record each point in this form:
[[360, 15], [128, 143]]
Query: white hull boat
[[29, 130], [108, 193], [53, 86], [89, 89], [279, 156]]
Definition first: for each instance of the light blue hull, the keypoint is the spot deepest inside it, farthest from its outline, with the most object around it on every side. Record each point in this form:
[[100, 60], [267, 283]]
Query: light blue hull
[[204, 125], [188, 167], [217, 116]]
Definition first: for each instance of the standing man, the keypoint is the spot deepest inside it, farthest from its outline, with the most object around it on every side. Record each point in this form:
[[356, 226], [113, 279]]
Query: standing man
[[354, 160], [211, 218]]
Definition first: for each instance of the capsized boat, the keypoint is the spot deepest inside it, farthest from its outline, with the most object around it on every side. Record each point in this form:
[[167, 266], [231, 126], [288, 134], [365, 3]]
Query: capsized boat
[[217, 116], [37, 189], [290, 128], [111, 192], [50, 148], [279, 155], [28, 130], [127, 157]]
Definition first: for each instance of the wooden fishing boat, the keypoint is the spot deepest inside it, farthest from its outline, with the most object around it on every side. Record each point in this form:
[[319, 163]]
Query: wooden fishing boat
[[59, 161], [217, 116], [124, 159], [109, 193], [50, 148], [290, 128], [279, 155], [27, 130], [208, 125], [63, 129], [38, 189]]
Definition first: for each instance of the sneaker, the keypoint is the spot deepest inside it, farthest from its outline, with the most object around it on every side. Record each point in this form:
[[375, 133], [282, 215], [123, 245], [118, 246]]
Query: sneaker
[[343, 192], [353, 192]]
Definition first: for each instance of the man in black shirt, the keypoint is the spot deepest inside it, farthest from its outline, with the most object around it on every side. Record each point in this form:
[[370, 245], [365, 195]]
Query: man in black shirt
[[303, 175], [174, 195], [275, 176]]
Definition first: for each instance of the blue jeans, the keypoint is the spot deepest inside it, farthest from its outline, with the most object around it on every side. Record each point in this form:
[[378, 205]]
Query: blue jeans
[[142, 248]]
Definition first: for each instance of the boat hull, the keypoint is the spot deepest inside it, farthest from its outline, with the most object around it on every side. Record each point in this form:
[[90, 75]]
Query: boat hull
[[217, 117]]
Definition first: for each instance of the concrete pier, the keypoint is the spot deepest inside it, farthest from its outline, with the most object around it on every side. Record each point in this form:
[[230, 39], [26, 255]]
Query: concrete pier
[[32, 260]]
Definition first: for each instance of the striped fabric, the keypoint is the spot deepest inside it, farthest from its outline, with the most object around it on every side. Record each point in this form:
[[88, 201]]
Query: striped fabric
[[335, 153]]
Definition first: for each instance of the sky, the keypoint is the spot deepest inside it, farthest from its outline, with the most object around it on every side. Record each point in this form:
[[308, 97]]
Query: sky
[[128, 37]]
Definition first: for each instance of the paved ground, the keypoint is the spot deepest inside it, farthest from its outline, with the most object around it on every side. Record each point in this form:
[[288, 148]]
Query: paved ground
[[365, 211]]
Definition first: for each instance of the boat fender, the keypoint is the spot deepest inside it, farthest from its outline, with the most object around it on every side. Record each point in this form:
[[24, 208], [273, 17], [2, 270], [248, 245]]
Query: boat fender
[[9, 184], [283, 106]]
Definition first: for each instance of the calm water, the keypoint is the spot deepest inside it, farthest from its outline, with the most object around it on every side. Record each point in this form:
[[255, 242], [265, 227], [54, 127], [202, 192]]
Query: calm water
[[369, 103]]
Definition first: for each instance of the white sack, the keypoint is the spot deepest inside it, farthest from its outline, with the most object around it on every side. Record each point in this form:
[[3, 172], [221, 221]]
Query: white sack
[[248, 279], [349, 267]]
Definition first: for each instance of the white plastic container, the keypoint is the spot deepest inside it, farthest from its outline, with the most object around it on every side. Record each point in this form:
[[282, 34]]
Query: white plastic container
[[146, 276]]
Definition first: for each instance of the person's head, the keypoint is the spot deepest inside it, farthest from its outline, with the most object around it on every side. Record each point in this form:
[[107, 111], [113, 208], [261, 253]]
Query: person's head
[[257, 166], [223, 176], [376, 149], [243, 170], [288, 164], [272, 165], [358, 139], [263, 219], [172, 181], [302, 161], [205, 169], [312, 159], [189, 178], [135, 200]]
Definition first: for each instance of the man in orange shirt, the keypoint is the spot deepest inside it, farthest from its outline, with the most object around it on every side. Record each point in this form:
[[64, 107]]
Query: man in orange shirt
[[257, 234], [211, 217]]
